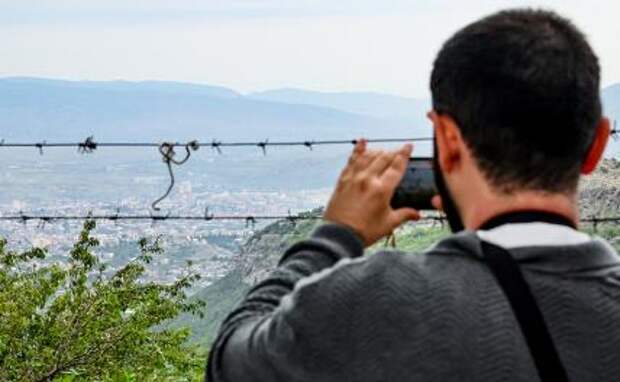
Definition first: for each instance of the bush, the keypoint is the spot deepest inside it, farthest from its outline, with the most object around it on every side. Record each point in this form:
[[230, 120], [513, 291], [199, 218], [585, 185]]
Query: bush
[[75, 321]]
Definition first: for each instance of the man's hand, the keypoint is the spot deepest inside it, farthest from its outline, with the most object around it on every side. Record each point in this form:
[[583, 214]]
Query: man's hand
[[361, 200]]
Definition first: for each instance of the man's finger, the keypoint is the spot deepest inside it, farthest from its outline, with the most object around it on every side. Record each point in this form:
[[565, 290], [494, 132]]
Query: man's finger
[[393, 175], [358, 149], [380, 163], [360, 145], [437, 202], [363, 161]]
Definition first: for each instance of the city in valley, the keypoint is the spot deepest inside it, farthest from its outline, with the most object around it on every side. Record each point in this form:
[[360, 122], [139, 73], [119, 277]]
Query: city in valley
[[210, 245]]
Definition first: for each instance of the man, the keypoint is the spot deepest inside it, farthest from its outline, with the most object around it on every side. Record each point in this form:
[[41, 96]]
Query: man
[[517, 293]]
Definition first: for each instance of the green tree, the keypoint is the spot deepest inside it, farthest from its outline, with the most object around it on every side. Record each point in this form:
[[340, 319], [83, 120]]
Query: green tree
[[75, 321]]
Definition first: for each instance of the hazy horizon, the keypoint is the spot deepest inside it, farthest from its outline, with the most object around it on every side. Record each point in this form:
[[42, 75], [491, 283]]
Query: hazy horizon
[[252, 46], [240, 92]]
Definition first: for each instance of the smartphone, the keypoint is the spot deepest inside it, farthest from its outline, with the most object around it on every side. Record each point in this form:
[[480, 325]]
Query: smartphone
[[417, 187]]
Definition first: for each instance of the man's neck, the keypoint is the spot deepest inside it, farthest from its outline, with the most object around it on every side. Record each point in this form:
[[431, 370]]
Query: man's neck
[[481, 211]]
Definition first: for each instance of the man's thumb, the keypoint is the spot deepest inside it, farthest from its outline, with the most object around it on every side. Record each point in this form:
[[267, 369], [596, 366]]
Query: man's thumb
[[402, 215]]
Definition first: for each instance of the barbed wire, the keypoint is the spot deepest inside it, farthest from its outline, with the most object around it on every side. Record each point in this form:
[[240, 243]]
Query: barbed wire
[[22, 217], [206, 217], [250, 220], [167, 152], [89, 145]]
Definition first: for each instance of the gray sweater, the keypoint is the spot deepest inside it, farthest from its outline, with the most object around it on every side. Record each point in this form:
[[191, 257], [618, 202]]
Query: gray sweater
[[328, 314]]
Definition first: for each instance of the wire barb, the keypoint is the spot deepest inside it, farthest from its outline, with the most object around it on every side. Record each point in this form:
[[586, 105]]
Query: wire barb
[[216, 146], [156, 218], [595, 221], [438, 219], [40, 147], [390, 240], [208, 215], [292, 219], [88, 146], [116, 216], [250, 221], [24, 218], [43, 221], [263, 146]]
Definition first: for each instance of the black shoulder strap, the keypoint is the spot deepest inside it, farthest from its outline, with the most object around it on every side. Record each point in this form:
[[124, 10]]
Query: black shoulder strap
[[508, 274]]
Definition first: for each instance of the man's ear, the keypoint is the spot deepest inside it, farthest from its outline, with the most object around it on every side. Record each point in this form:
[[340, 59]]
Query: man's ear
[[448, 140], [603, 131]]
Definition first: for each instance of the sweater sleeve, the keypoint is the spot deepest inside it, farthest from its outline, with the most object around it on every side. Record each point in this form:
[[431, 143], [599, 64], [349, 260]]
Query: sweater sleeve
[[272, 335]]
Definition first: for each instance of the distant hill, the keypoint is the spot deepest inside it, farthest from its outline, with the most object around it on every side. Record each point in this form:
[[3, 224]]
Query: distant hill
[[372, 104], [165, 87], [43, 109], [611, 101], [611, 108]]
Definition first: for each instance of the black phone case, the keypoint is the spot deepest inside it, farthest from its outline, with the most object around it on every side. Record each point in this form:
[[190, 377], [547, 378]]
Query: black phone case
[[417, 187]]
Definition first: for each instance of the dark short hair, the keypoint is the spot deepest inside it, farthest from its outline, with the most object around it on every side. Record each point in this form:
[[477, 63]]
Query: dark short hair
[[523, 87]]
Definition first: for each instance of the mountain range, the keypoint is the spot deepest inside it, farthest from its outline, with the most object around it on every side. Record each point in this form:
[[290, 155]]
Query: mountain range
[[43, 109], [377, 105], [611, 101]]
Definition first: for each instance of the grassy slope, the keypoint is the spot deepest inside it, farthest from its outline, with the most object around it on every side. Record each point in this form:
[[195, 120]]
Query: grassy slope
[[221, 297]]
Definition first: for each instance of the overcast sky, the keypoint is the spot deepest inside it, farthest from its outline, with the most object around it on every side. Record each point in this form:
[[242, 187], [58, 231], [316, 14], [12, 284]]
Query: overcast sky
[[249, 45]]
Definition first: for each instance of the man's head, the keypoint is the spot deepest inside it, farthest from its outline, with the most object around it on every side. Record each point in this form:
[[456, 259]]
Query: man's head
[[516, 97]]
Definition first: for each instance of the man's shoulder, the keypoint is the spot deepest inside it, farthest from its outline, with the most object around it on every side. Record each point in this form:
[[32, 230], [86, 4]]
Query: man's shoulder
[[445, 279], [454, 253], [456, 258]]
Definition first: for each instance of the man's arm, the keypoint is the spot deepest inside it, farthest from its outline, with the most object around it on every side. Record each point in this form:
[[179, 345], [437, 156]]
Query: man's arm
[[262, 339]]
